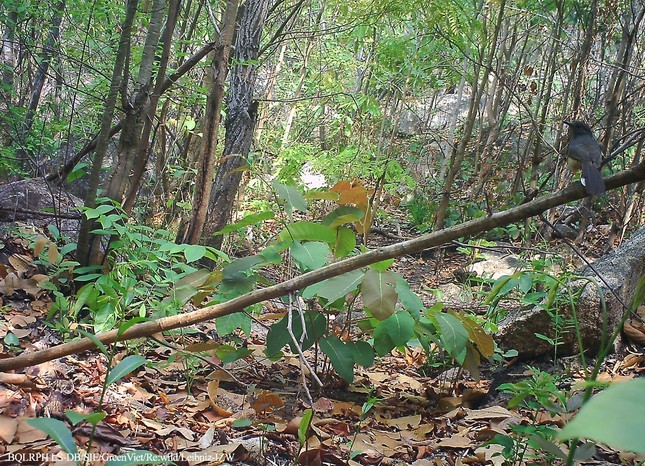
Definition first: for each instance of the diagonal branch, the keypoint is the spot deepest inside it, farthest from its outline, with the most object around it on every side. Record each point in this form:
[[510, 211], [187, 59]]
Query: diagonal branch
[[470, 228]]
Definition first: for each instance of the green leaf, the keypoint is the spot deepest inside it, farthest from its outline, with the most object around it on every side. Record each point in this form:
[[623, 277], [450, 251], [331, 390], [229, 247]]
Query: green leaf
[[229, 353], [382, 266], [378, 290], [241, 265], [126, 366], [334, 288], [308, 231], [251, 219], [99, 344], [58, 431], [454, 336], [278, 336], [363, 353], [97, 212], [226, 324], [396, 330], [342, 215], [292, 197], [194, 252], [495, 289], [92, 418], [136, 457], [194, 279], [305, 423], [615, 417], [311, 255], [340, 355], [345, 242], [409, 299]]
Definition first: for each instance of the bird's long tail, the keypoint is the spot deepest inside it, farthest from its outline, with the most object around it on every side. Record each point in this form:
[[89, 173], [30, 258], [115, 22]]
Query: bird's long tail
[[592, 179]]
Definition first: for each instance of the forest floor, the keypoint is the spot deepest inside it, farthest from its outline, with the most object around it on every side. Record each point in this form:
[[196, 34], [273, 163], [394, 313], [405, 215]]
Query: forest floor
[[193, 410]]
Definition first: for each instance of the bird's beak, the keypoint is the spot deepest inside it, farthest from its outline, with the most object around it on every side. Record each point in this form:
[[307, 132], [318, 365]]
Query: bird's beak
[[568, 123]]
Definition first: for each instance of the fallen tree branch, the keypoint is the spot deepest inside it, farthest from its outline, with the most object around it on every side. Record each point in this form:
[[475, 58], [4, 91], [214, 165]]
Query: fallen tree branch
[[472, 227]]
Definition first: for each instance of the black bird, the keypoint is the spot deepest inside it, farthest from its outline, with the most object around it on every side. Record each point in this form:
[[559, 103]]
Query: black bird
[[584, 154]]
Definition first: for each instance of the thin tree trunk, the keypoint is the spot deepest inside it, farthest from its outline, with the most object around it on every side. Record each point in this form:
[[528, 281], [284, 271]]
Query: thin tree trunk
[[458, 155], [301, 80], [206, 163], [41, 76], [59, 175], [84, 243], [130, 141], [145, 146], [240, 120]]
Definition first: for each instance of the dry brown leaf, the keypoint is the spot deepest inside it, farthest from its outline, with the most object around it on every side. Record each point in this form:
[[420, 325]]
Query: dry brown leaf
[[8, 428], [28, 434], [404, 423], [20, 262], [457, 442], [493, 412], [635, 335], [266, 400], [40, 243]]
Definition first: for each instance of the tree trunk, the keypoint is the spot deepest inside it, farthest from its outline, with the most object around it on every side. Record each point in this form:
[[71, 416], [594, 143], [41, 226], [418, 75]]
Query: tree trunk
[[146, 147], [206, 163], [40, 77], [458, 155], [240, 120], [84, 242], [130, 141]]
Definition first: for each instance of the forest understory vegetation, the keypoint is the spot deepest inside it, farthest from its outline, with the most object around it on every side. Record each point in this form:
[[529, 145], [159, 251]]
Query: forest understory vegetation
[[322, 232]]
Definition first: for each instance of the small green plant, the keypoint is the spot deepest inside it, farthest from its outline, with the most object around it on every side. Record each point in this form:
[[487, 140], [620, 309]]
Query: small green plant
[[365, 410], [145, 274], [62, 435], [535, 441]]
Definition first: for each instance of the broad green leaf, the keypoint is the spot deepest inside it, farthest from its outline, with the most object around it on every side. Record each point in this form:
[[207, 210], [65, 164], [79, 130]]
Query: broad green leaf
[[132, 458], [236, 285], [396, 330], [251, 219], [92, 418], [345, 242], [342, 215], [308, 231], [58, 431], [409, 299], [311, 255], [526, 282], [378, 290], [125, 367], [484, 342], [363, 353], [615, 417], [278, 336], [82, 296], [226, 324], [194, 252], [495, 289], [292, 197], [382, 266], [195, 279], [340, 355], [241, 265], [323, 195], [229, 353], [336, 287], [454, 336], [97, 212]]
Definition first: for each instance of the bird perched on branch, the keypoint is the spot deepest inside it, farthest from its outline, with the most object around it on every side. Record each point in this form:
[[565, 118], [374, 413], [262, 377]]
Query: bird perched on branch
[[584, 154]]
